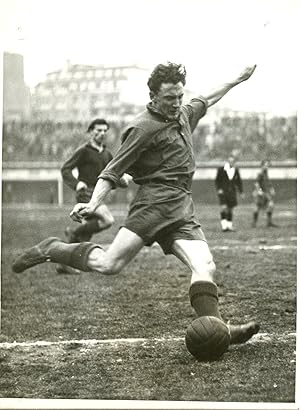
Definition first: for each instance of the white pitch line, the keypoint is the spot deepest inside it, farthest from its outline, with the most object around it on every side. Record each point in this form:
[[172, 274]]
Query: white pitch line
[[228, 247], [260, 247], [258, 338]]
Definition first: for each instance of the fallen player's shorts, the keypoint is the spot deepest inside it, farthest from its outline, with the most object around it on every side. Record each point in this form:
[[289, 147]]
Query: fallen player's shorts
[[166, 217]]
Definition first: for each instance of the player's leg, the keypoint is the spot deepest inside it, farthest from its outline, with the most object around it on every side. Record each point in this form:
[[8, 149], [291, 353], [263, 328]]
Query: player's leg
[[255, 217], [259, 203], [269, 210], [105, 217], [230, 219], [86, 256], [123, 249], [224, 217], [203, 291], [196, 255]]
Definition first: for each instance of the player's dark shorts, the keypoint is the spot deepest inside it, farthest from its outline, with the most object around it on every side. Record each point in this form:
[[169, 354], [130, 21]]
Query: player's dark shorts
[[228, 198], [163, 215], [262, 200]]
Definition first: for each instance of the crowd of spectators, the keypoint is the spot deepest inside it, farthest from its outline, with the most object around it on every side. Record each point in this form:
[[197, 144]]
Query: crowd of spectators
[[253, 136]]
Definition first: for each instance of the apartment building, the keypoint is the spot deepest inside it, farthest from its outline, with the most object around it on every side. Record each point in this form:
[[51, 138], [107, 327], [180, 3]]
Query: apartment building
[[80, 92]]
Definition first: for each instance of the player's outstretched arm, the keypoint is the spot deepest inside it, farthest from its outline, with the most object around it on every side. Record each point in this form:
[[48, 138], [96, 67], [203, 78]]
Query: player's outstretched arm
[[82, 210], [215, 95]]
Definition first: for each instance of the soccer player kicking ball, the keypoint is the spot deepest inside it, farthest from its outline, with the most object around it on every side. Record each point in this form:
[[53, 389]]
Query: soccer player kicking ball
[[157, 151]]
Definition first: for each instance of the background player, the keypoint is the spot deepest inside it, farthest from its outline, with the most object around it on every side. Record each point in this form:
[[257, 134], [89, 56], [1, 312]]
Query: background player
[[228, 181], [264, 195], [89, 159]]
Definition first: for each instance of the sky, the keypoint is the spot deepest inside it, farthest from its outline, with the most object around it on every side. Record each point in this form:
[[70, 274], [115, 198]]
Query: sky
[[215, 39]]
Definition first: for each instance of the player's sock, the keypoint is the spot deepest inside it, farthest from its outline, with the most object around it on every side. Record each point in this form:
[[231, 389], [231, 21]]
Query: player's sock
[[224, 222], [204, 298], [229, 219], [55, 250], [255, 218], [269, 219], [223, 215], [229, 215], [229, 225]]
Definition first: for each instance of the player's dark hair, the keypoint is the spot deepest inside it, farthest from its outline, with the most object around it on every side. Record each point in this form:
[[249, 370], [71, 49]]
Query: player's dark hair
[[97, 121], [166, 73]]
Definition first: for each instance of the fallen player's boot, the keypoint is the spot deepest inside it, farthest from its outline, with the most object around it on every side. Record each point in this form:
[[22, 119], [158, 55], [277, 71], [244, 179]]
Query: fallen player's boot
[[241, 333], [34, 256], [67, 270]]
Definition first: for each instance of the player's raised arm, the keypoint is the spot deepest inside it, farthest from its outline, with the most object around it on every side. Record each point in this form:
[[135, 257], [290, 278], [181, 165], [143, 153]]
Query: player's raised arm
[[216, 94]]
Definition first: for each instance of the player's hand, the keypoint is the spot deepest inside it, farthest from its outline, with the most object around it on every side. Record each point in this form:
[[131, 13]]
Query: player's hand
[[81, 185], [242, 195], [272, 191], [81, 211], [260, 192], [220, 191], [125, 180], [246, 73]]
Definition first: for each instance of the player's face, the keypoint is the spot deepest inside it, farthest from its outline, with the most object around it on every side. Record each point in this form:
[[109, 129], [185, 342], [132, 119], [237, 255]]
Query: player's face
[[231, 161], [168, 99], [99, 133], [265, 165]]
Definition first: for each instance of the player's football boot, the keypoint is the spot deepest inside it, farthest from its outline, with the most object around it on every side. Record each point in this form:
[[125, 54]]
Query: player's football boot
[[272, 225], [66, 270], [241, 333], [34, 256]]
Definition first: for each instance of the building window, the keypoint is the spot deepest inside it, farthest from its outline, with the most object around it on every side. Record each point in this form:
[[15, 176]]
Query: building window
[[78, 74], [107, 85], [99, 73], [83, 86], [73, 86], [61, 91], [60, 106], [44, 107], [91, 85], [45, 91]]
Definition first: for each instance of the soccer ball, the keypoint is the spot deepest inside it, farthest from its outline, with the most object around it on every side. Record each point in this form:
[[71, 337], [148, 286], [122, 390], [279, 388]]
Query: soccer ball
[[207, 338]]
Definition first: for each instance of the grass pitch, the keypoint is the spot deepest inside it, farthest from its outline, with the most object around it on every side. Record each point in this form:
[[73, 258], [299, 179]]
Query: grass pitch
[[122, 338]]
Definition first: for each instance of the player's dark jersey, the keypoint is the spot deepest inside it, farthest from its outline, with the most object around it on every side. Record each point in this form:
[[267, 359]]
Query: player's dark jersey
[[264, 181], [89, 162]]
